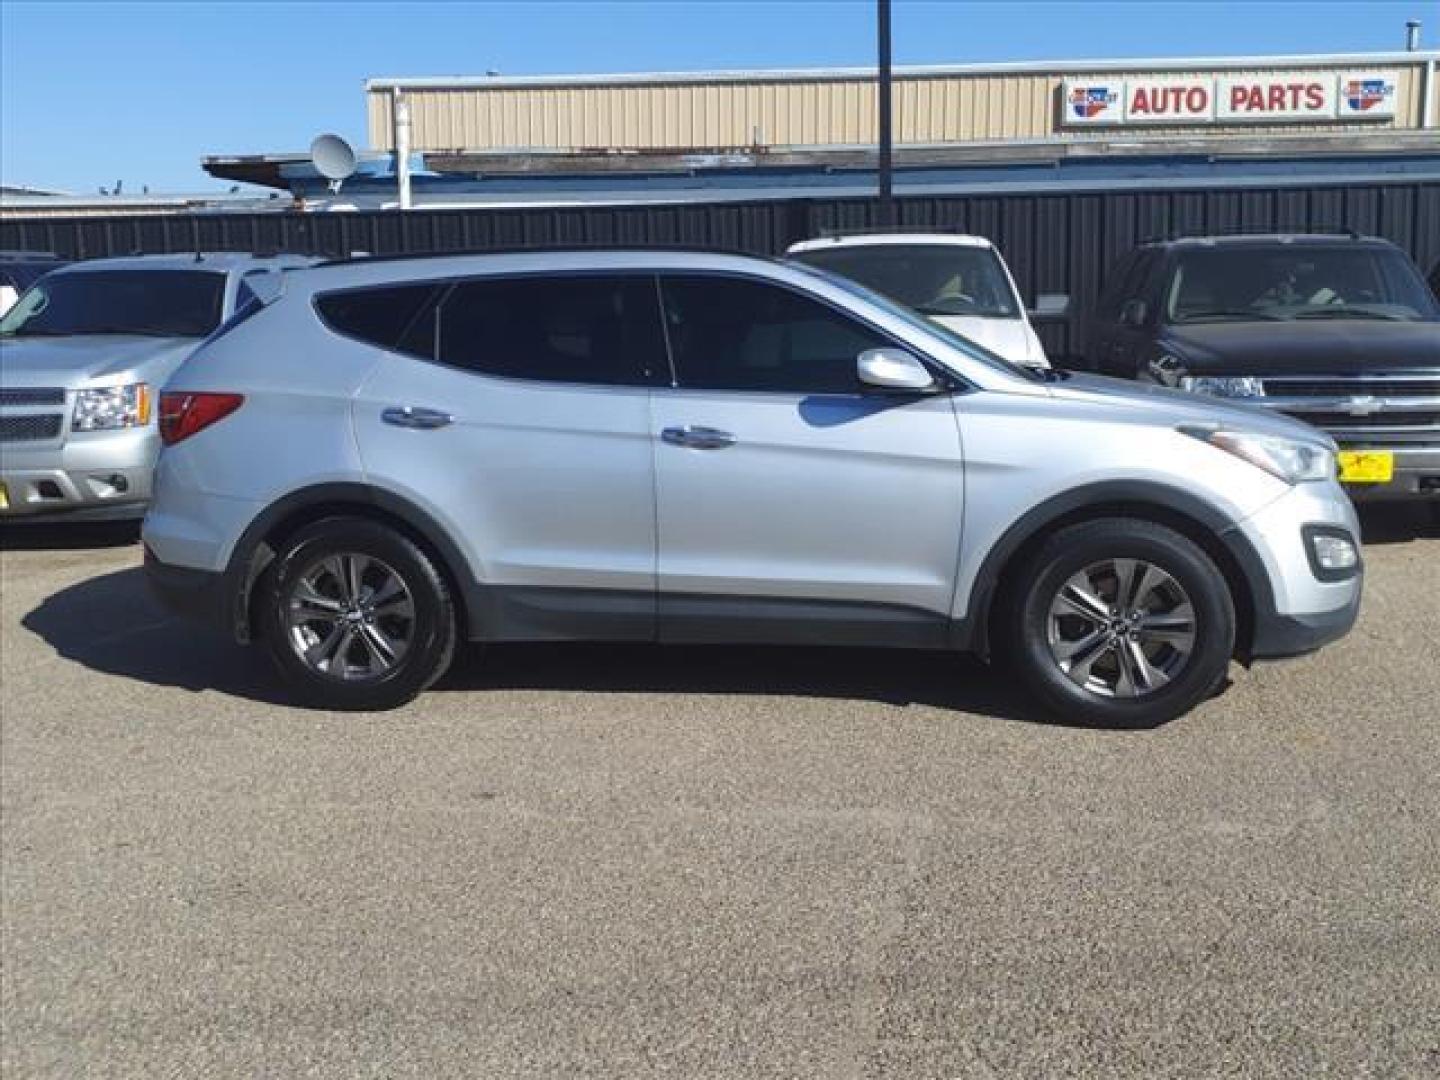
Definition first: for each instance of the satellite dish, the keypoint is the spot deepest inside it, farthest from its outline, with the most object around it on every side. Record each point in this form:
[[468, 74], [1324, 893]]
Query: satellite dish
[[333, 158]]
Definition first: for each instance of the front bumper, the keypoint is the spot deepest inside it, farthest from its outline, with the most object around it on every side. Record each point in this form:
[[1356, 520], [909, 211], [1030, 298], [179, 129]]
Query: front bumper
[[1278, 636], [1417, 474], [91, 476], [1296, 612]]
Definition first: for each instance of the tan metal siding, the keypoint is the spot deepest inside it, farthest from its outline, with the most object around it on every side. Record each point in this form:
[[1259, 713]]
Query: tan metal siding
[[793, 112]]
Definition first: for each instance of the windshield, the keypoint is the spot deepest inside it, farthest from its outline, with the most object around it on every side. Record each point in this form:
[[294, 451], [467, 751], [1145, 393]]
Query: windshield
[[934, 279], [1247, 284], [161, 303], [933, 329]]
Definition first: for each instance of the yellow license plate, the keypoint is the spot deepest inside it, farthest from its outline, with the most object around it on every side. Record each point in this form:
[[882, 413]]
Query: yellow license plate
[[1367, 466], [4, 498]]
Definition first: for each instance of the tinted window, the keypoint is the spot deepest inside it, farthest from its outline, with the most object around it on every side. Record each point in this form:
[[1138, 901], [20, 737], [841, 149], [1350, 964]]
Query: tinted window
[[731, 334], [934, 279], [581, 329], [160, 303], [397, 317], [1244, 284]]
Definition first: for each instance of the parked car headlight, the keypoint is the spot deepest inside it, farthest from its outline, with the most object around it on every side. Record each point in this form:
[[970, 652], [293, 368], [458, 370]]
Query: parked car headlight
[[108, 407], [1292, 460], [1229, 386]]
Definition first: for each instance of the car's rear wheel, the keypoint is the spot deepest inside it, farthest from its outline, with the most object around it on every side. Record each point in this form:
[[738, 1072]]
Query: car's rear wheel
[[1120, 623], [356, 615]]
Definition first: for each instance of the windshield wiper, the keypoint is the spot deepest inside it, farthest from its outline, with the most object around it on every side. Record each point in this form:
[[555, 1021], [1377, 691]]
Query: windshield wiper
[[1347, 313], [1243, 314]]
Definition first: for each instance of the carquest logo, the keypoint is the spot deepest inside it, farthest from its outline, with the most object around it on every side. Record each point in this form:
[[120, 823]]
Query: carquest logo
[[1088, 102], [1362, 95]]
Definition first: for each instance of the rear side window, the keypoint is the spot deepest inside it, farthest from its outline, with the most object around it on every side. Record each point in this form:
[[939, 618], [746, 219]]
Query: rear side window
[[399, 317], [734, 334], [598, 329]]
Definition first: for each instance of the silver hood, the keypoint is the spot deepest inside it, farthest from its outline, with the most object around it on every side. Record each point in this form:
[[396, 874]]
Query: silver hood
[[1161, 404], [90, 359]]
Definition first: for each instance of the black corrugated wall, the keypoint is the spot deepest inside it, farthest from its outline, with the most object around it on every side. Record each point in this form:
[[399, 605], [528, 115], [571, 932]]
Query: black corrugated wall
[[1055, 243]]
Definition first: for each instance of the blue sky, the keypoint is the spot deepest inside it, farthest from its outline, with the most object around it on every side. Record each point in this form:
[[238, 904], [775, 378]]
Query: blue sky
[[95, 92]]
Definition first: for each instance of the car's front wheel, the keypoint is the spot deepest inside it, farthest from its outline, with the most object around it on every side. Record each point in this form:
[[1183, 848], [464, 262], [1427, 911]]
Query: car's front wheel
[[356, 615], [1120, 622]]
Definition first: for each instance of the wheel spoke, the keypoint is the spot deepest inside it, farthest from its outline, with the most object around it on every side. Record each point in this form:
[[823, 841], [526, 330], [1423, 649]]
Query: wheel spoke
[[1124, 581], [1151, 578], [1081, 600], [1175, 627], [390, 589], [379, 645], [1143, 675], [354, 575], [324, 650], [307, 596], [1082, 661], [332, 565]]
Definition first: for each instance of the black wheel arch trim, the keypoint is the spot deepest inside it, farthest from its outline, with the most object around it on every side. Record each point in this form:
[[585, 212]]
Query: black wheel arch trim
[[972, 633], [253, 554]]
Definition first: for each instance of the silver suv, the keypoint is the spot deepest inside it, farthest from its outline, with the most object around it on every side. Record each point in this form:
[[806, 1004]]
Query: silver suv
[[83, 354], [687, 447]]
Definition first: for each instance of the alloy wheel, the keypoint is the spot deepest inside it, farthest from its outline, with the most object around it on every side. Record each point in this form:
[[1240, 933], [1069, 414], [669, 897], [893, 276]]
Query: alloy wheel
[[350, 617], [1121, 628]]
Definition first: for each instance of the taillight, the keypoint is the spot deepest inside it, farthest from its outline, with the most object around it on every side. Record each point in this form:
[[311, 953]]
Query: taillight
[[183, 414]]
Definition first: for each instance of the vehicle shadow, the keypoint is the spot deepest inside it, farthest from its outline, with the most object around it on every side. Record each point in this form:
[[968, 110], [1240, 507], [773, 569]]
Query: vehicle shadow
[[74, 535], [111, 624], [1398, 522]]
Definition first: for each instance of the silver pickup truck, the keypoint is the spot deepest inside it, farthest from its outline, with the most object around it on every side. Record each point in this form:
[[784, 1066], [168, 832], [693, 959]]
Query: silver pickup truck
[[83, 355]]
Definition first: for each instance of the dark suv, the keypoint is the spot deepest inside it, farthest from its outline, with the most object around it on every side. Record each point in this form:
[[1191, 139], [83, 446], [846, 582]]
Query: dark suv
[[1341, 332]]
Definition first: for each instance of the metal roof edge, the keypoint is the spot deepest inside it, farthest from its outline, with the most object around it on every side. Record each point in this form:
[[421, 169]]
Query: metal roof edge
[[501, 82]]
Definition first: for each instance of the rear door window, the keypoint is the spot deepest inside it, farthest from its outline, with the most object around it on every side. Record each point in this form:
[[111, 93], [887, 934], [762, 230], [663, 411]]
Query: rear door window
[[398, 317], [585, 328], [736, 334]]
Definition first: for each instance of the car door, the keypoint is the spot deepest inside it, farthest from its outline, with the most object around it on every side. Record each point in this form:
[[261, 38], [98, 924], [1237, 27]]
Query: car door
[[1133, 330], [792, 503], [528, 434]]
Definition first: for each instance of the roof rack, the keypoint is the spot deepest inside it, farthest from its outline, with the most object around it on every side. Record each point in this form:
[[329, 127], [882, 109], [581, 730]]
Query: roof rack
[[535, 249]]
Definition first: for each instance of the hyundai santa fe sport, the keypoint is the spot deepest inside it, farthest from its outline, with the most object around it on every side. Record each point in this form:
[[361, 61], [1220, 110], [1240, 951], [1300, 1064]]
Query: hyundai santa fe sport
[[389, 456]]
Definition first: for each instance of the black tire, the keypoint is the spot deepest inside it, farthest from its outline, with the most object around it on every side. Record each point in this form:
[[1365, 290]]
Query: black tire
[[1193, 675], [423, 639]]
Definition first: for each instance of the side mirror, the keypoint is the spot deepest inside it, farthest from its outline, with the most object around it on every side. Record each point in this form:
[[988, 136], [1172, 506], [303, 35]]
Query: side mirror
[[1051, 306], [893, 369], [1133, 313]]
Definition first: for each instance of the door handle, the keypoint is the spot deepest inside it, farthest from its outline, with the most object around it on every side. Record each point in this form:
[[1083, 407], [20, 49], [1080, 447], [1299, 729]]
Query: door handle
[[697, 438], [408, 416]]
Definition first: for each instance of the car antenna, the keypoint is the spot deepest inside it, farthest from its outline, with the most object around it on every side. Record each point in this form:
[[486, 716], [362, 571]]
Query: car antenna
[[195, 237]]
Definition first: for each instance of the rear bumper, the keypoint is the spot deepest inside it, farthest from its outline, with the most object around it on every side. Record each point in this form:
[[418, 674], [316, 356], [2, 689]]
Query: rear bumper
[[198, 595]]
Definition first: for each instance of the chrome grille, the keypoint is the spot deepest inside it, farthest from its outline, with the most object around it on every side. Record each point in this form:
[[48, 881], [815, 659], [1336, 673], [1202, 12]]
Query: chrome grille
[[1422, 386], [1398, 408], [31, 395], [31, 428]]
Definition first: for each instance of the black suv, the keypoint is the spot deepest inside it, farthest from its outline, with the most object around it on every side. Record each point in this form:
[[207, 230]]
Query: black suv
[[1341, 332]]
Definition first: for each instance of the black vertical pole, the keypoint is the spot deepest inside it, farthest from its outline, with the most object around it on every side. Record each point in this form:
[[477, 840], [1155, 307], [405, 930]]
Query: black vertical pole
[[887, 135]]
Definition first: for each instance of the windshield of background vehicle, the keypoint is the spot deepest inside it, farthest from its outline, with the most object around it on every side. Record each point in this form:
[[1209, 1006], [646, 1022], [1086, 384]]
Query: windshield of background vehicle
[[1246, 284], [159, 303], [907, 315], [934, 279]]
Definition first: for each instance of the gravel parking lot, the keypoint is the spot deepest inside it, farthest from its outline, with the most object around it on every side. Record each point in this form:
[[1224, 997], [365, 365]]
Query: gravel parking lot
[[630, 862]]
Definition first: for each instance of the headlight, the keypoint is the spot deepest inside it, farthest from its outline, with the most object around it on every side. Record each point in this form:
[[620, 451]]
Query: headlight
[[1291, 460], [110, 407], [1231, 386]]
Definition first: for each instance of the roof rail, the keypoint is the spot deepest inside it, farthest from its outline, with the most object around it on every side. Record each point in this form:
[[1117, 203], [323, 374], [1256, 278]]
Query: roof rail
[[536, 249]]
